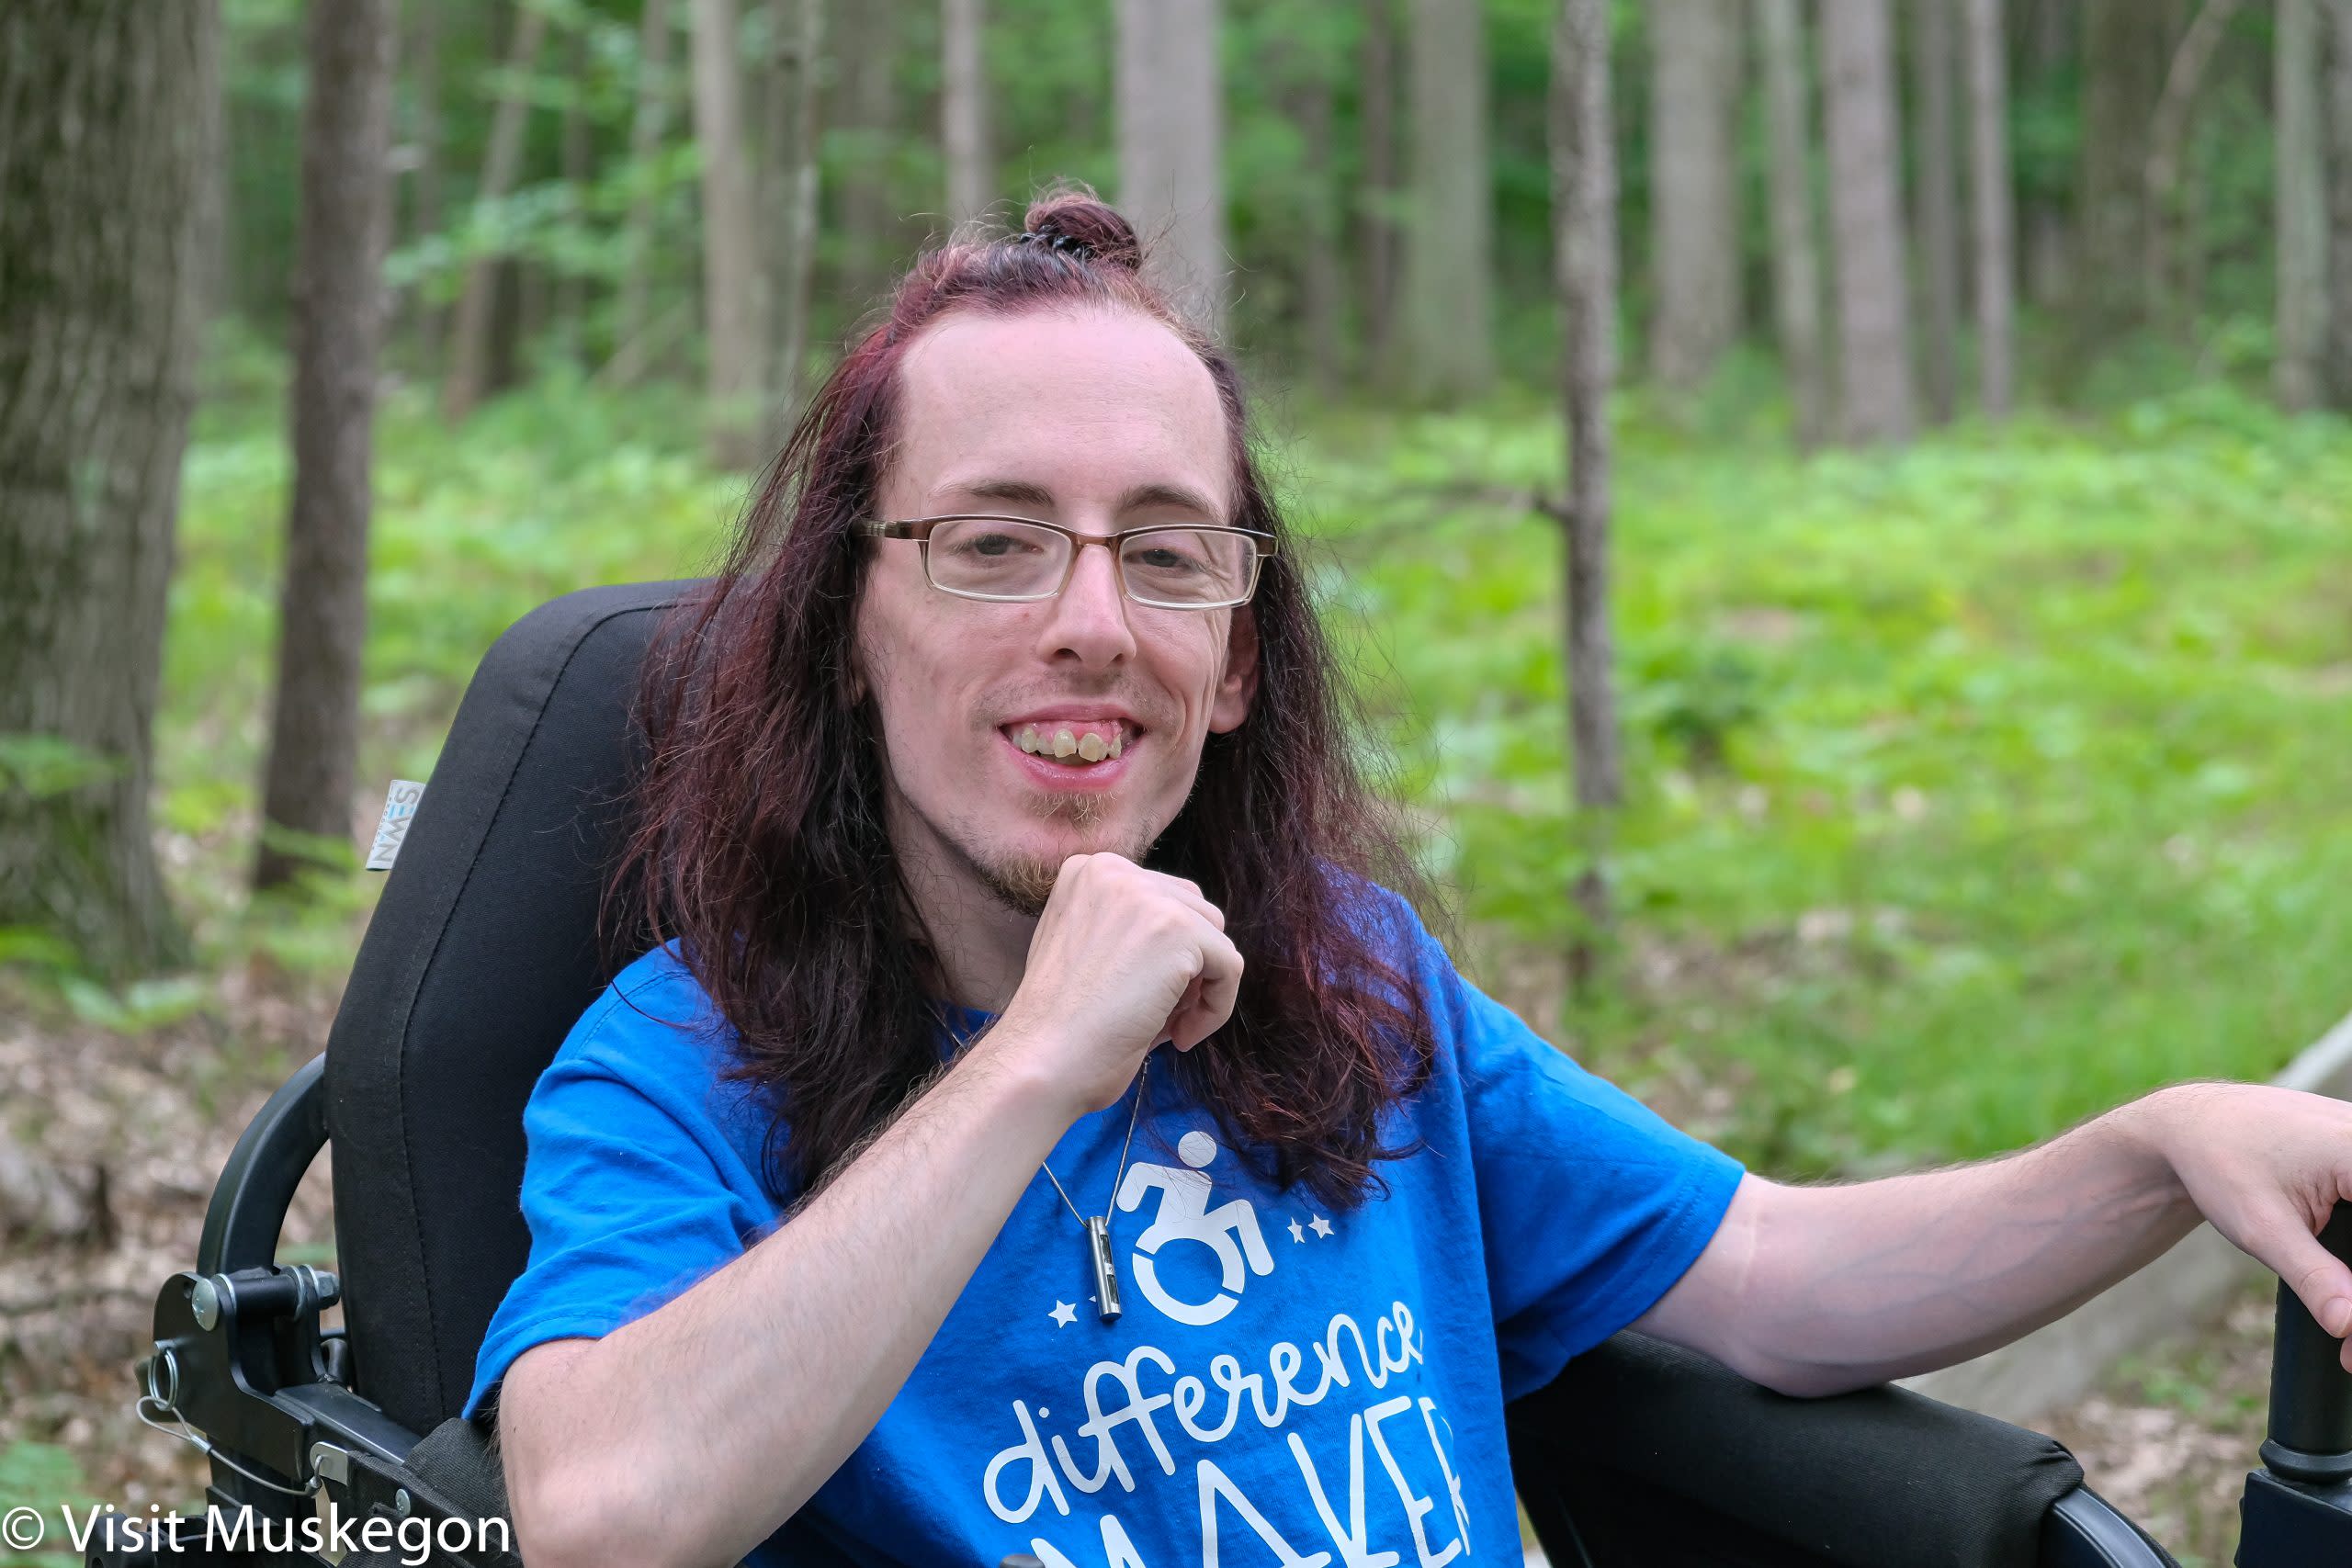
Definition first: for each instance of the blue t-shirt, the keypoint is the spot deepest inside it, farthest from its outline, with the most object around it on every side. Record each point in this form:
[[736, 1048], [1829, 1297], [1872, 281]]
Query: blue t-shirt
[[1289, 1384]]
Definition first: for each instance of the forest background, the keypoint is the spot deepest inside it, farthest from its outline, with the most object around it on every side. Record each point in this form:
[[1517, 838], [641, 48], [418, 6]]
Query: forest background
[[1959, 722]]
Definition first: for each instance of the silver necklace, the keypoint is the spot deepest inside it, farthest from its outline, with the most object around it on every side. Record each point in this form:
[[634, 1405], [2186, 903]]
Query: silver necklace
[[1098, 1227]]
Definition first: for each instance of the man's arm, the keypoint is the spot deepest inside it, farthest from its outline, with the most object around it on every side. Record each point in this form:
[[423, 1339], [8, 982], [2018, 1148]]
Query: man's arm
[[1818, 1289]]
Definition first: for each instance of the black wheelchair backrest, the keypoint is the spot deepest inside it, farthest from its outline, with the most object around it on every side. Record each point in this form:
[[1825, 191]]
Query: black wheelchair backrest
[[479, 956]]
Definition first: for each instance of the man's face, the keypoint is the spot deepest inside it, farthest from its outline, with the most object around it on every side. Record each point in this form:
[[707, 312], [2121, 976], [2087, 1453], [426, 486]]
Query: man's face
[[1099, 421]]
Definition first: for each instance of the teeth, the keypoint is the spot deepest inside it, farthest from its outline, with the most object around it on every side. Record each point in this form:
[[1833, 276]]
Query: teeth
[[1091, 746]]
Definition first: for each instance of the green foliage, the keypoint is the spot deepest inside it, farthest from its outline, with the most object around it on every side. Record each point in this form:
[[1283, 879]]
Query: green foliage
[[41, 1476], [43, 766]]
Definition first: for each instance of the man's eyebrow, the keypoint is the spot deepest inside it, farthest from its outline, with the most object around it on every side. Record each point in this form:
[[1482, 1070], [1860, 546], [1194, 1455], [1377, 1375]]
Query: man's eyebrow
[[1021, 493]]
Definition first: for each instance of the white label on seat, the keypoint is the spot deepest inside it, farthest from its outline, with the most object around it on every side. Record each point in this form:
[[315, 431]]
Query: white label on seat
[[400, 806]]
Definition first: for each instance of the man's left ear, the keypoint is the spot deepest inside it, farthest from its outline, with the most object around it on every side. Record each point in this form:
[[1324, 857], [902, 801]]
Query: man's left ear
[[1238, 687]]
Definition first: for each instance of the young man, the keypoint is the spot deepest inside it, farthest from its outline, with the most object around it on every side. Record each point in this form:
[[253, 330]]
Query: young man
[[1042, 1133]]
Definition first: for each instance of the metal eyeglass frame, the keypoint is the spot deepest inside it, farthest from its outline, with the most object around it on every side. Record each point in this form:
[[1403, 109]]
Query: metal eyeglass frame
[[919, 530]]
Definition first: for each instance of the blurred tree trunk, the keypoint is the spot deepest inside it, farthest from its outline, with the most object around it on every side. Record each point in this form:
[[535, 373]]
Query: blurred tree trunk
[[2127, 51], [1584, 249], [338, 323], [788, 203], [1866, 221], [470, 376], [1936, 203], [1694, 208], [2303, 210], [109, 149], [647, 130], [2339, 94], [1377, 239], [421, 62], [1993, 201], [1171, 177], [2170, 298], [731, 270], [1796, 254], [2053, 29], [1449, 246], [963, 110]]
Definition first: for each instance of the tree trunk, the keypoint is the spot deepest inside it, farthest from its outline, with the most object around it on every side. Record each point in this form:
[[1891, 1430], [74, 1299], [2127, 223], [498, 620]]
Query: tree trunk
[[2127, 49], [338, 321], [1694, 210], [1796, 254], [730, 272], [963, 110], [1378, 240], [1938, 204], [789, 201], [470, 348], [2339, 94], [2302, 210], [1993, 201], [646, 132], [1866, 221], [1449, 247], [109, 122], [1584, 248], [2168, 297], [1171, 177], [870, 111]]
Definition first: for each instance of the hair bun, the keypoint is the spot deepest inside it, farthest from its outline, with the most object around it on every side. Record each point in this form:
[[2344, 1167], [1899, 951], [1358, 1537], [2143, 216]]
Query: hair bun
[[1072, 220]]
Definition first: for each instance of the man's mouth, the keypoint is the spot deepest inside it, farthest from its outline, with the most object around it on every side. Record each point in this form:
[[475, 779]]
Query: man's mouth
[[1075, 744]]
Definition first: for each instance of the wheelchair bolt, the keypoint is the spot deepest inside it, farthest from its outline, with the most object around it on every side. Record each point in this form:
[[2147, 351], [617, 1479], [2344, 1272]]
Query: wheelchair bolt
[[205, 1301], [400, 1502]]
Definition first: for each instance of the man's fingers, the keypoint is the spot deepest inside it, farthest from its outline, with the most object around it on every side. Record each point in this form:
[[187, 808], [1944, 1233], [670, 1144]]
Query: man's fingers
[[2319, 1279]]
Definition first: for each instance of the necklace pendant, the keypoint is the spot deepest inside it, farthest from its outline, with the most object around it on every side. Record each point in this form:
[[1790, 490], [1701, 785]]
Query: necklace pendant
[[1106, 1273]]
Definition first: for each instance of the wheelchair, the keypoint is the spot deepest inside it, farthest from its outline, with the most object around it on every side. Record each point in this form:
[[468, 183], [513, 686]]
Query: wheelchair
[[480, 955]]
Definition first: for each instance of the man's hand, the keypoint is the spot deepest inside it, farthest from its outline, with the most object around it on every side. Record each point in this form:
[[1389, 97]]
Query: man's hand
[[1122, 959], [2266, 1167]]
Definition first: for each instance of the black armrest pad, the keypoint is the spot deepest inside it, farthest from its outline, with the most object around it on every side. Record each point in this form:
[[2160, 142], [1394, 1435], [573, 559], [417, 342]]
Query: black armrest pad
[[453, 1474], [1866, 1479]]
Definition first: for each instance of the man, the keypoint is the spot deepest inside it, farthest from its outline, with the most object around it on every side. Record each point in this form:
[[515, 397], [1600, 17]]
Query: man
[[870, 1221]]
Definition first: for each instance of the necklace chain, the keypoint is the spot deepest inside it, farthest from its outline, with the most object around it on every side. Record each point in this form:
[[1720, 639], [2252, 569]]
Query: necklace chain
[[1143, 1074]]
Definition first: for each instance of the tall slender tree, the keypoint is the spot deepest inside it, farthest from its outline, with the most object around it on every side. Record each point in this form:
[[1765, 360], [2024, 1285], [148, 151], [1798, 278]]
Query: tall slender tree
[[1796, 252], [2339, 249], [730, 248], [2297, 374], [788, 200], [964, 108], [1866, 221], [1993, 203], [1171, 140], [338, 329], [2127, 51], [1449, 246], [1936, 203], [868, 113], [2167, 292], [1695, 207], [109, 136], [1584, 248], [470, 344], [1377, 238]]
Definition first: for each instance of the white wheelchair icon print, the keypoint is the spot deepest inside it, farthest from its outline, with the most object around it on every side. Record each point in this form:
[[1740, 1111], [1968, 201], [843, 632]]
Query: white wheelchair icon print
[[1184, 1216]]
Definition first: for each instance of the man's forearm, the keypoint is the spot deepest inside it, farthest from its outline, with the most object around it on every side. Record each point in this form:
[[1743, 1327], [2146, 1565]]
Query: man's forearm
[[690, 1435], [1853, 1285]]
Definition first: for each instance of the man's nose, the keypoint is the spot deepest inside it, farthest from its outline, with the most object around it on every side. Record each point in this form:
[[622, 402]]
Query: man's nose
[[1090, 616]]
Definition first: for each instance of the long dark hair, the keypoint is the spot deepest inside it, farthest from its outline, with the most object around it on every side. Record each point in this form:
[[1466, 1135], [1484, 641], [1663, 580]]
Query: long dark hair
[[758, 838]]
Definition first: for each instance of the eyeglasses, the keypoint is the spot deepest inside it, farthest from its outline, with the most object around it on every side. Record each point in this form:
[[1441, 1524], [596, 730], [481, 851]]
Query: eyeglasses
[[1013, 559]]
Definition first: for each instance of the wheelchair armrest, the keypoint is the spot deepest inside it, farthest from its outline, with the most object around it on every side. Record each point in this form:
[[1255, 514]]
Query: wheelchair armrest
[[1640, 1448]]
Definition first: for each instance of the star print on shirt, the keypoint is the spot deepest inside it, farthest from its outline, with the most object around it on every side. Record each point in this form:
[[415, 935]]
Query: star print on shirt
[[1063, 1314], [1320, 1225], [1296, 1234]]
